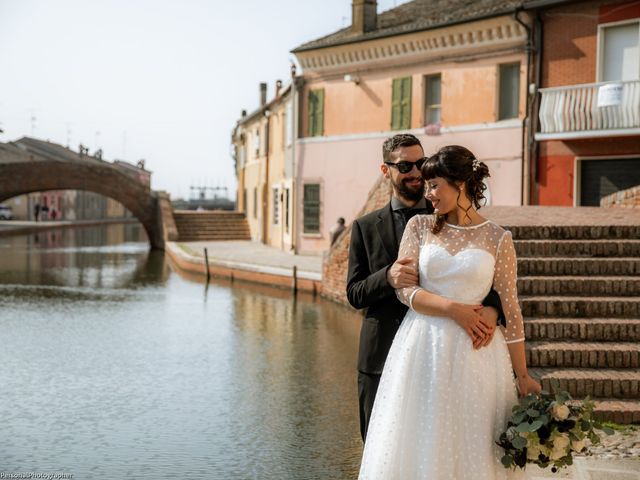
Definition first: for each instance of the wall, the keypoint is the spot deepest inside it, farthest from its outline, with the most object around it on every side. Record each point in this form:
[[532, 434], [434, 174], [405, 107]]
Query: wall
[[348, 166], [629, 198], [469, 95], [557, 159]]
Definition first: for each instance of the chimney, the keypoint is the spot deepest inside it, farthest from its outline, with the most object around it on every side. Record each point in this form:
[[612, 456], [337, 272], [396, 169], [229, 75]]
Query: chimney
[[278, 87], [263, 94], [364, 16]]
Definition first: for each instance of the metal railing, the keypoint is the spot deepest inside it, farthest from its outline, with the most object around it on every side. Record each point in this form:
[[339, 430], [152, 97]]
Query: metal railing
[[575, 108]]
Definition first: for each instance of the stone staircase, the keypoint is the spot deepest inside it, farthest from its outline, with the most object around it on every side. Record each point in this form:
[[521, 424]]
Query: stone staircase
[[579, 288], [197, 226]]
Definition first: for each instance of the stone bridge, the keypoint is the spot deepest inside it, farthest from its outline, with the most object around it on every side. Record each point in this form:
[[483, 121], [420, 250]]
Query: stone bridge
[[30, 165]]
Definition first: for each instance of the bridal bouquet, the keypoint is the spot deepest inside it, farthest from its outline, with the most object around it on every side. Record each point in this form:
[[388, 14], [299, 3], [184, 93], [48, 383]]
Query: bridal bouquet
[[548, 429]]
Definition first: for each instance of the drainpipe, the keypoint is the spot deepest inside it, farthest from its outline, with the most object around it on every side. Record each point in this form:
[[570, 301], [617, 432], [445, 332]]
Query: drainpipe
[[536, 108], [297, 85], [266, 189], [525, 147]]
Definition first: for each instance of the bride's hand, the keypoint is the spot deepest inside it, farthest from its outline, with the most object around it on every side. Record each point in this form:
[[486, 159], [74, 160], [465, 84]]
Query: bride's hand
[[468, 317], [527, 385]]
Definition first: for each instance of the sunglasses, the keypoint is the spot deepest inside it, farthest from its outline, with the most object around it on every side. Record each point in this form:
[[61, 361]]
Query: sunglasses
[[406, 167]]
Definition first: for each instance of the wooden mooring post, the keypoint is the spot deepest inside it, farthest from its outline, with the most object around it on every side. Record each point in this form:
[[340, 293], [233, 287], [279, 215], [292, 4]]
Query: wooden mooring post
[[294, 279], [206, 264]]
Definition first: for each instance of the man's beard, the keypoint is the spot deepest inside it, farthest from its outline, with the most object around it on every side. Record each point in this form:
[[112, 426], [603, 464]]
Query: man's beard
[[410, 193]]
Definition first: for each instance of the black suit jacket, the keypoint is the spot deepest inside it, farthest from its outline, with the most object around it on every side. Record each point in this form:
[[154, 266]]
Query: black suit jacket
[[372, 251]]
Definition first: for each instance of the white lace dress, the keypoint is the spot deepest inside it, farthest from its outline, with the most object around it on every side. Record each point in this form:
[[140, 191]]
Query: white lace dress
[[441, 404]]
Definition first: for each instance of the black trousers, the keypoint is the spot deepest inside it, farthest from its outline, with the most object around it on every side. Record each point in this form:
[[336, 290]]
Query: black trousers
[[367, 389]]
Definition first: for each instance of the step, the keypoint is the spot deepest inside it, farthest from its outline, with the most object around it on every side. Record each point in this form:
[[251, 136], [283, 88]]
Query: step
[[600, 307], [574, 232], [187, 238], [583, 355], [584, 329], [579, 286], [594, 382], [578, 266], [578, 248], [616, 410]]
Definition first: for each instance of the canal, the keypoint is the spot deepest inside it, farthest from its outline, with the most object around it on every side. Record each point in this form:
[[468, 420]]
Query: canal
[[115, 366]]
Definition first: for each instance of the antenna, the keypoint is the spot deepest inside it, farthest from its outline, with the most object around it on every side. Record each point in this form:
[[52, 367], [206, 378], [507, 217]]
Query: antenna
[[33, 120]]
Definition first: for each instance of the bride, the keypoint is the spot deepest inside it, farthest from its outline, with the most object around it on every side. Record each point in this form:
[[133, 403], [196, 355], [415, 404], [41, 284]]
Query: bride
[[441, 404]]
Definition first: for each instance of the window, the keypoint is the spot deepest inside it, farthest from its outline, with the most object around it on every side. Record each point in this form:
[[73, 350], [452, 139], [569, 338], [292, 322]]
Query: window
[[432, 108], [245, 207], [311, 209], [256, 142], [401, 104], [509, 91], [619, 53], [255, 202], [286, 210], [276, 205], [316, 113]]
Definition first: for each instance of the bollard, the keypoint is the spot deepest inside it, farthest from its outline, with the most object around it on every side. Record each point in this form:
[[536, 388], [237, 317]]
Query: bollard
[[206, 264], [294, 280]]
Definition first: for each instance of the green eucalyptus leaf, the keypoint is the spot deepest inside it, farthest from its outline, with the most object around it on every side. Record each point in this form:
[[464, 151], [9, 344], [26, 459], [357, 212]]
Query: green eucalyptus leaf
[[519, 417], [507, 460], [519, 442], [535, 425], [523, 427], [533, 413], [608, 430]]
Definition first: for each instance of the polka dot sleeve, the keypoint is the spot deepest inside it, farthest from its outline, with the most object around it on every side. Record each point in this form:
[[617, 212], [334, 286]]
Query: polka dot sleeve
[[412, 239], [505, 283]]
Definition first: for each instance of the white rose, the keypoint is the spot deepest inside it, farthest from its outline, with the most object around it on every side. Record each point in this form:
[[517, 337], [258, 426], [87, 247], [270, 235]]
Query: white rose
[[578, 445], [533, 453], [562, 441], [560, 412], [557, 453]]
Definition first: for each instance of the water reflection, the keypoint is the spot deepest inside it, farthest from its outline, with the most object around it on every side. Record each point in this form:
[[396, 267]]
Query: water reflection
[[114, 256], [115, 367]]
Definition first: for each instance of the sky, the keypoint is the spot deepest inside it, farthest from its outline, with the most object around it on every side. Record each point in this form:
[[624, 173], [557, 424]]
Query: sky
[[160, 80]]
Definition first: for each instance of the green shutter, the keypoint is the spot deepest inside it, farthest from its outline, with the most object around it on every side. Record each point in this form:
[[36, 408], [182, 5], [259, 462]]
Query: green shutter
[[401, 104], [396, 95], [405, 122], [312, 112], [320, 112], [311, 208], [316, 112]]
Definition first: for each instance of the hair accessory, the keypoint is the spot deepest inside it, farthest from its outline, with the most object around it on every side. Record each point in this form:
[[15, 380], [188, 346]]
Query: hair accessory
[[475, 164]]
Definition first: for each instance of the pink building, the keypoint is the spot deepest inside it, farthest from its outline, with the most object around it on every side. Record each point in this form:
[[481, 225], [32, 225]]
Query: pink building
[[449, 79]]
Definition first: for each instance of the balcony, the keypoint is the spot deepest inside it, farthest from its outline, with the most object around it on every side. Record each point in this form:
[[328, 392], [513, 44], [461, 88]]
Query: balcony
[[572, 112]]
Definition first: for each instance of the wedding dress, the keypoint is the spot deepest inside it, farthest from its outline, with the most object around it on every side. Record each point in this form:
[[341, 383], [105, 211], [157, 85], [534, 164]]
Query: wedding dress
[[441, 404]]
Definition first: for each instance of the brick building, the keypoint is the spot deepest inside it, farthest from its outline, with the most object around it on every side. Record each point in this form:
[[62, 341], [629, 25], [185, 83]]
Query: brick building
[[587, 142]]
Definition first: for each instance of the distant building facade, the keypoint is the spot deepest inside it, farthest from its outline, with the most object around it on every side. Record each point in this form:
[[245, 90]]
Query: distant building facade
[[264, 143], [588, 133]]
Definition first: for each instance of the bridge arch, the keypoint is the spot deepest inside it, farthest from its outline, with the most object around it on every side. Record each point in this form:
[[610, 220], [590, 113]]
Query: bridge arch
[[27, 175]]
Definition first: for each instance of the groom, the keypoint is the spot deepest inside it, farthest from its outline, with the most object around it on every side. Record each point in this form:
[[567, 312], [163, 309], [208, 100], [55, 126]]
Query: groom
[[375, 271]]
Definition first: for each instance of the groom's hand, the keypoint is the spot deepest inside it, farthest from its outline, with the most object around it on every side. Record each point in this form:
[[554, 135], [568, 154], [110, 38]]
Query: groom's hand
[[401, 274]]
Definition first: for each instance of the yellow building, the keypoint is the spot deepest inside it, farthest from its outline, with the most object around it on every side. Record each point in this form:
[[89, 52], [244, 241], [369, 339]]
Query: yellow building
[[263, 143]]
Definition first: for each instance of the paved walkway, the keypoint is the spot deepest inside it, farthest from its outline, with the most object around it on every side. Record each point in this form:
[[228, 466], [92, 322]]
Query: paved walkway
[[248, 255], [593, 468]]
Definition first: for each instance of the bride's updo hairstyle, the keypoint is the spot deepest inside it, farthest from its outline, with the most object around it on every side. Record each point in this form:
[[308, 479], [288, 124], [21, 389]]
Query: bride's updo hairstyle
[[457, 164]]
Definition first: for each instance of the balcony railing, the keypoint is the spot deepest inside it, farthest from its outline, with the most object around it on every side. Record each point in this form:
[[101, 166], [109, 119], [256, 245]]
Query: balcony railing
[[573, 111]]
